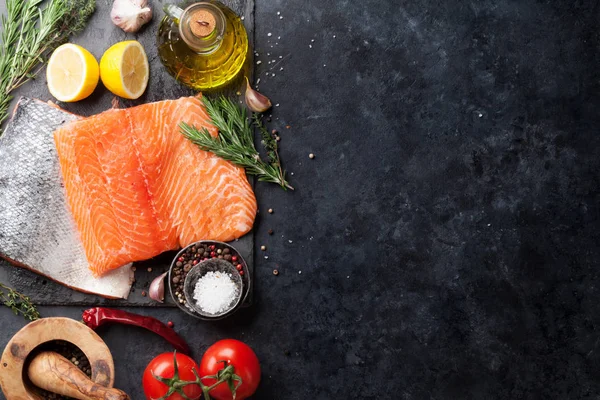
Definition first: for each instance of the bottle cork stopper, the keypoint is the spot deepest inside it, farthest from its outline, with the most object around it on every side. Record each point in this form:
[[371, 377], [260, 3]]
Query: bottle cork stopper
[[202, 23]]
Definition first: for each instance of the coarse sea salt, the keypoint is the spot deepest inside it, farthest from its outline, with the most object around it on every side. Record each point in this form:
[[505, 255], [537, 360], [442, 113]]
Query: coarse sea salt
[[215, 292]]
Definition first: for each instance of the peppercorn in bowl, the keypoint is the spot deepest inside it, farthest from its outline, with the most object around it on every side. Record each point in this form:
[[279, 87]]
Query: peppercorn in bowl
[[214, 298]]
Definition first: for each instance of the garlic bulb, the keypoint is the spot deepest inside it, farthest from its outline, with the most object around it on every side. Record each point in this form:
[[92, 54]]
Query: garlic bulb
[[130, 15]]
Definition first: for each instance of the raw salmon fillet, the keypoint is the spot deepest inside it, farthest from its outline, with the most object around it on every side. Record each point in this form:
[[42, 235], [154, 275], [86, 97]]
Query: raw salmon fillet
[[137, 187]]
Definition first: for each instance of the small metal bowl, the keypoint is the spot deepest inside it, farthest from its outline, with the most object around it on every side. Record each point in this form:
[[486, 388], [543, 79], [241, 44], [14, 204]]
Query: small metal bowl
[[185, 307], [200, 270]]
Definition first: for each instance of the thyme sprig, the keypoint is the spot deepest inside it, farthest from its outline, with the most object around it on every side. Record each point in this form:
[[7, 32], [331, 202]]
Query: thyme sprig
[[30, 33], [235, 141], [18, 302]]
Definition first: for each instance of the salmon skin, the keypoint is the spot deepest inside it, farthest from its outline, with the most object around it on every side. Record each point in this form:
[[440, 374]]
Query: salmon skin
[[37, 230], [137, 187]]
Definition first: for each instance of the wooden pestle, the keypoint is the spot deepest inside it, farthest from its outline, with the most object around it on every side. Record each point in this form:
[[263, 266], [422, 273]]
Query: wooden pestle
[[54, 373]]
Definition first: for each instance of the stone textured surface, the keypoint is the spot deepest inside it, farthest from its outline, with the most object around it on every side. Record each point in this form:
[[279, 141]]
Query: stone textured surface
[[446, 231]]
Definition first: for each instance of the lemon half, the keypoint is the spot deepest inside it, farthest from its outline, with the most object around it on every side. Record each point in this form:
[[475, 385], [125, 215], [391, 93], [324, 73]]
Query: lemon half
[[124, 69], [72, 73]]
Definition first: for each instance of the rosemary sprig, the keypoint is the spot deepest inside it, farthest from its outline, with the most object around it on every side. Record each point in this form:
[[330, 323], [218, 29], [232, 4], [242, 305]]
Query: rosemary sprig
[[18, 302], [235, 142], [30, 33]]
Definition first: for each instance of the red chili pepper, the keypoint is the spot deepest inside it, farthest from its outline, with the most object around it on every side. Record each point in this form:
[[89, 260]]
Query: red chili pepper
[[98, 316], [234, 258]]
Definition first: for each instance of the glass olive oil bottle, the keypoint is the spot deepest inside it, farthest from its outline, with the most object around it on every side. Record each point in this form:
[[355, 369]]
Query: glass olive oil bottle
[[203, 45]]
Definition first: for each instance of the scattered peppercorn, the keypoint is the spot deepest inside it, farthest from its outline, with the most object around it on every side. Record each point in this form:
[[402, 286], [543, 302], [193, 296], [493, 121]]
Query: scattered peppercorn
[[170, 324], [263, 248], [133, 269], [270, 232], [274, 131], [149, 269], [275, 272], [270, 211], [287, 127], [143, 293], [311, 156]]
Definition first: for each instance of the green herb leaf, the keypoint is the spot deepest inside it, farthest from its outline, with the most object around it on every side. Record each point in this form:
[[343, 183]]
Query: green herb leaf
[[19, 303], [30, 33], [235, 141]]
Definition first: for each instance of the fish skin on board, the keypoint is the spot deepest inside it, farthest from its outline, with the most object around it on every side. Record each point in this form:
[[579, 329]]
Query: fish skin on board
[[37, 230]]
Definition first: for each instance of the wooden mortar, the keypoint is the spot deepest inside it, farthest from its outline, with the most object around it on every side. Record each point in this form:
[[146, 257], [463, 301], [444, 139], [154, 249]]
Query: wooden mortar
[[52, 372]]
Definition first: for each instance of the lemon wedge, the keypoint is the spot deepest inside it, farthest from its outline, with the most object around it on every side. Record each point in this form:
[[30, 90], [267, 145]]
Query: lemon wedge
[[72, 73], [124, 69]]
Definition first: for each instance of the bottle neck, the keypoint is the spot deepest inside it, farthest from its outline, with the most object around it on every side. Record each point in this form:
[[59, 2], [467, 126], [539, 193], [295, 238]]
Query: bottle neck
[[202, 27]]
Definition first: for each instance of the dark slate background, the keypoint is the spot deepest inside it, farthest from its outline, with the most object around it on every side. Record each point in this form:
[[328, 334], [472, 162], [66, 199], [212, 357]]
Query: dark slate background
[[447, 230]]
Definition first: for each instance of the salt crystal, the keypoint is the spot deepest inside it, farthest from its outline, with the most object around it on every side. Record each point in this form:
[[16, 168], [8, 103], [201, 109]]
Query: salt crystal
[[215, 292], [277, 105], [299, 272], [280, 56], [258, 62], [310, 46], [281, 17], [278, 13], [278, 37], [242, 18], [269, 34], [290, 241]]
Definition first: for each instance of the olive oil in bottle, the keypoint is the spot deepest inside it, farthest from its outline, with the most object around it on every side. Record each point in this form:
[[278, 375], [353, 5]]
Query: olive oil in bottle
[[204, 46]]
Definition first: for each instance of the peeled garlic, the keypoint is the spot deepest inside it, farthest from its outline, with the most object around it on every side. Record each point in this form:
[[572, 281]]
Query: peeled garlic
[[130, 15], [255, 101]]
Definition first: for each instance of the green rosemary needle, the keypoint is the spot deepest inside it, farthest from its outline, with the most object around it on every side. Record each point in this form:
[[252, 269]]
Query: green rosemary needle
[[30, 33], [235, 142]]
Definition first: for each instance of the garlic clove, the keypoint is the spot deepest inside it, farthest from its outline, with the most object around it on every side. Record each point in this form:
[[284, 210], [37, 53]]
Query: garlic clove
[[254, 100], [130, 15], [157, 288]]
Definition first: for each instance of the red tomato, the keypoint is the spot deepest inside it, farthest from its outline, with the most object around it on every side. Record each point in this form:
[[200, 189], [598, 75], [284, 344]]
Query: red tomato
[[244, 361], [163, 366]]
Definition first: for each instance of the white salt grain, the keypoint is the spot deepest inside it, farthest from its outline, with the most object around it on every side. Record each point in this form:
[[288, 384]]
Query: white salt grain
[[215, 292]]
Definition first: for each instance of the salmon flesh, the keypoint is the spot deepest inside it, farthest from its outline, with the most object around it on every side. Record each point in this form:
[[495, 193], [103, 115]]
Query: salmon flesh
[[137, 187]]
